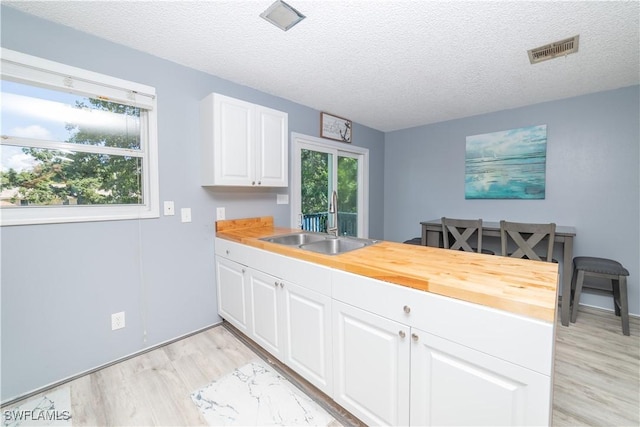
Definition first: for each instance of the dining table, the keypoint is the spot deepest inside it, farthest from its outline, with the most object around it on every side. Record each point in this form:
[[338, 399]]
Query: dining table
[[432, 236]]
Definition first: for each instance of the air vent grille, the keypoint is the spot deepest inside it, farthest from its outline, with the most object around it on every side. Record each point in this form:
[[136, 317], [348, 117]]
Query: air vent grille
[[554, 50]]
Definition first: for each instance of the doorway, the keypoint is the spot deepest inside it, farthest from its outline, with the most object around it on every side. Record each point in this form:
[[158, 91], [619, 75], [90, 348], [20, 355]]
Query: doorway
[[321, 167]]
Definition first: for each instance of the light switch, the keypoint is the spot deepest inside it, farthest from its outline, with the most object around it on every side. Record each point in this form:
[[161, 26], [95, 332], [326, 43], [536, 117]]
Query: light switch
[[169, 208], [185, 214]]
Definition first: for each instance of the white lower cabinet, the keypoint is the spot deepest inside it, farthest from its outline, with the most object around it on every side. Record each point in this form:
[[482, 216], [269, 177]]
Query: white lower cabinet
[[387, 373], [455, 385], [389, 354], [289, 321], [406, 357], [307, 318], [233, 293], [371, 366], [267, 322], [294, 325]]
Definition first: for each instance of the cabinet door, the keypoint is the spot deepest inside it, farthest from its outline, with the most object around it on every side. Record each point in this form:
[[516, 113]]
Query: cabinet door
[[453, 384], [233, 299], [272, 143], [371, 366], [234, 141], [307, 320], [266, 322]]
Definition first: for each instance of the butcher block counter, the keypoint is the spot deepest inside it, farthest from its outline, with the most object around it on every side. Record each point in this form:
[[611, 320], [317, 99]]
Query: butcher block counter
[[518, 286]]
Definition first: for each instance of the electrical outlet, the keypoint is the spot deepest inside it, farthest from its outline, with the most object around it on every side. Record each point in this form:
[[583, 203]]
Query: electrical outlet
[[282, 199], [169, 208], [219, 214], [117, 321]]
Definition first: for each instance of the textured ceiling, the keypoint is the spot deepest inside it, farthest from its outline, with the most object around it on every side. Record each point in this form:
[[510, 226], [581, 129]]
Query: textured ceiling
[[385, 64]]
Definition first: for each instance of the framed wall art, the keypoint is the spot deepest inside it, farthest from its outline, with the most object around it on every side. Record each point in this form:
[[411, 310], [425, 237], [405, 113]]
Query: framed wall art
[[509, 164], [334, 127]]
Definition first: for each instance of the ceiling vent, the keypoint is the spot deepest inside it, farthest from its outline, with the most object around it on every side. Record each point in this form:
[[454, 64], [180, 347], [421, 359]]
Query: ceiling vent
[[554, 50]]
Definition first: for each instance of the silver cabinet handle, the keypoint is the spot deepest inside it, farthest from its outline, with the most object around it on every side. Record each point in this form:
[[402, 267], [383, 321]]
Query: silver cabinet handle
[[243, 270], [402, 334], [415, 336], [282, 284], [227, 251], [259, 182], [407, 309], [253, 183], [275, 284]]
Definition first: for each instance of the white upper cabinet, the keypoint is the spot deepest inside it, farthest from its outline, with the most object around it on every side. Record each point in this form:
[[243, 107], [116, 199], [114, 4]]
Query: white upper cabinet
[[243, 144], [272, 155]]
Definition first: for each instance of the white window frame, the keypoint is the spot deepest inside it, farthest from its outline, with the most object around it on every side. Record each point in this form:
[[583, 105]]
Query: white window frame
[[31, 70], [301, 141]]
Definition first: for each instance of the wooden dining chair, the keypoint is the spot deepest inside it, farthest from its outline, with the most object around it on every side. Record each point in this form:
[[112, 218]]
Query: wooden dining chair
[[527, 236], [462, 230]]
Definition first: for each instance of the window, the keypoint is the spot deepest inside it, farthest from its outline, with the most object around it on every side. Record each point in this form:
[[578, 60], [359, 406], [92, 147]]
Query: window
[[75, 146]]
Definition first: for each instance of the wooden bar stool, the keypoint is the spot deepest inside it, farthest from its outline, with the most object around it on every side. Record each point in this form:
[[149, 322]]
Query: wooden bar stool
[[606, 269]]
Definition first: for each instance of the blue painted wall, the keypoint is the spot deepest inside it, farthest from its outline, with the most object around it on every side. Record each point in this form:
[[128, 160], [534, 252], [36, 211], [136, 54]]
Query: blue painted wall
[[592, 178], [60, 283]]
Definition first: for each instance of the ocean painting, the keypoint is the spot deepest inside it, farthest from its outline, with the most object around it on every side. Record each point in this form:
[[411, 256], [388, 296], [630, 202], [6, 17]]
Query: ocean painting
[[509, 164]]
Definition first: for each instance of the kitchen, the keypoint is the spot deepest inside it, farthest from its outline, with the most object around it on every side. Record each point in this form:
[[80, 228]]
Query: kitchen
[[159, 271]]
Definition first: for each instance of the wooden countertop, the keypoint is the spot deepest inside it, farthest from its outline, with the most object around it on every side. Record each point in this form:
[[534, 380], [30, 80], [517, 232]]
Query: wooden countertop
[[518, 286]]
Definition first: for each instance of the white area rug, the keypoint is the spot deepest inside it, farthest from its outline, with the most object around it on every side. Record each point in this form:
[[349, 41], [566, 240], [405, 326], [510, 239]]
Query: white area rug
[[52, 409], [256, 395]]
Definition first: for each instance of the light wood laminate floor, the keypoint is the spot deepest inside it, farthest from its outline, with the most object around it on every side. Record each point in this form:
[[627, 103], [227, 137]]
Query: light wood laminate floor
[[597, 378], [597, 371]]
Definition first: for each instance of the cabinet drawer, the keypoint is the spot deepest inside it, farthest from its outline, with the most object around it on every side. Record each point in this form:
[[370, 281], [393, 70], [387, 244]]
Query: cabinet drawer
[[389, 300], [309, 275], [518, 339], [234, 251]]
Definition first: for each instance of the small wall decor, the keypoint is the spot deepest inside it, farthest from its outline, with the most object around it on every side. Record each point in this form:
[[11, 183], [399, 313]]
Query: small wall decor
[[509, 164], [334, 127]]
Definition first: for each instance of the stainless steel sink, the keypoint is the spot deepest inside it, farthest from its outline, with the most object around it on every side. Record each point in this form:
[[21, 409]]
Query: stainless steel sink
[[333, 246], [296, 239], [320, 242]]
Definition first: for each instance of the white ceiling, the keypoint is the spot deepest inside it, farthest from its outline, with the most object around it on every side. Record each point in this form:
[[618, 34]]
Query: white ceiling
[[384, 64]]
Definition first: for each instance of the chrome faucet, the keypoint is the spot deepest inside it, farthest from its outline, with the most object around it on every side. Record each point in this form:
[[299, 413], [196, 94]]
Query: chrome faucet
[[333, 210]]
